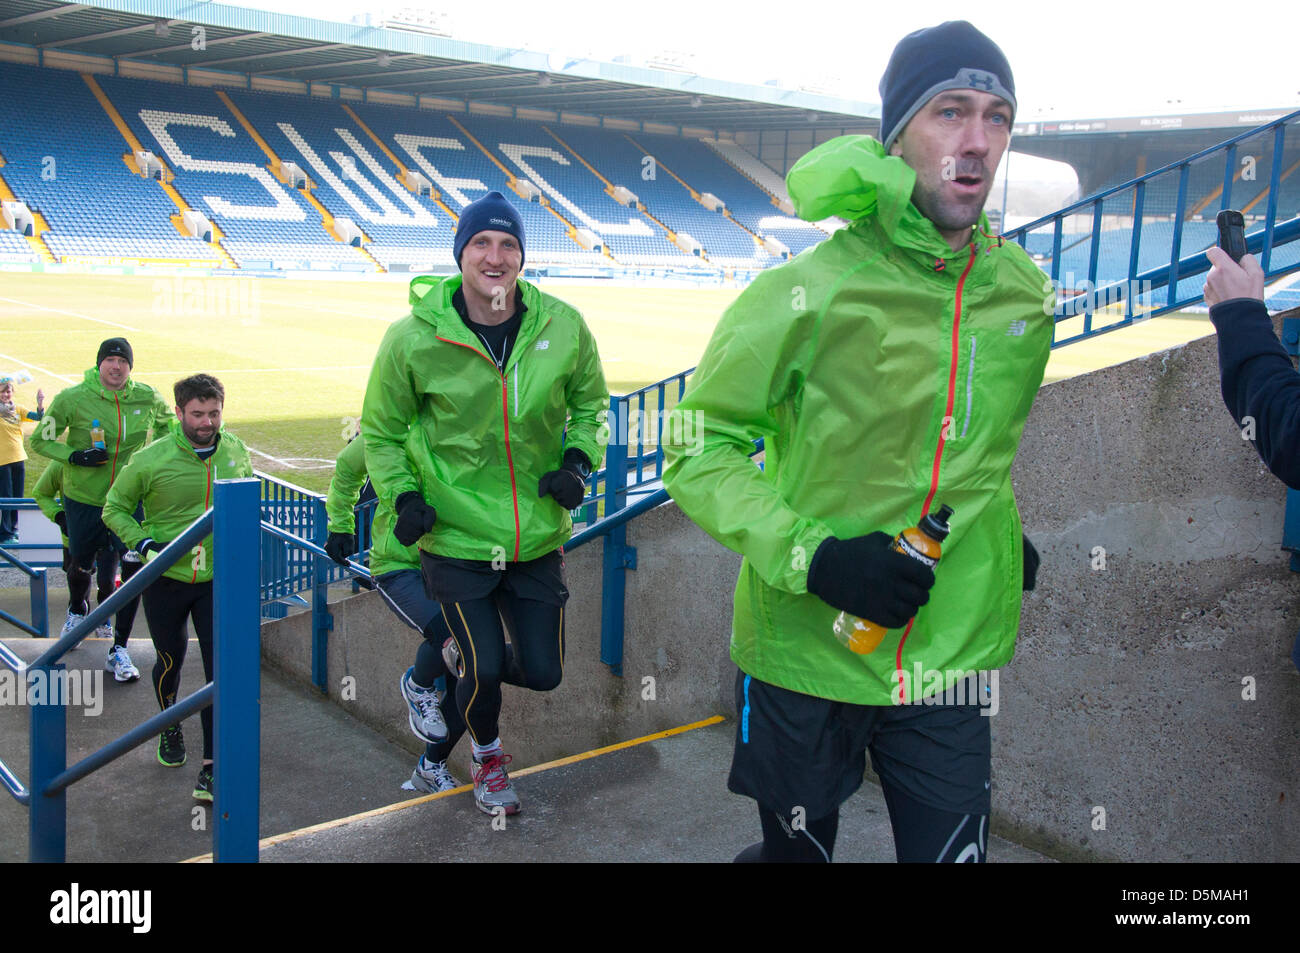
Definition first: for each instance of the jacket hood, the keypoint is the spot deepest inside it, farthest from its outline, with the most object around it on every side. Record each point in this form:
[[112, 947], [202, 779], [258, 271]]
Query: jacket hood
[[853, 178]]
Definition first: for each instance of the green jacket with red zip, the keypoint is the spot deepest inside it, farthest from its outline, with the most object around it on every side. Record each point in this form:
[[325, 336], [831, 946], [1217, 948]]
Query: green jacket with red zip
[[175, 486], [127, 416], [888, 375], [439, 418]]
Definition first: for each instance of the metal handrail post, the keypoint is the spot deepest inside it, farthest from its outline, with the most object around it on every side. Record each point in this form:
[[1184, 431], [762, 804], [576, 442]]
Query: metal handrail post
[[47, 820], [618, 556], [322, 621], [39, 588], [237, 676]]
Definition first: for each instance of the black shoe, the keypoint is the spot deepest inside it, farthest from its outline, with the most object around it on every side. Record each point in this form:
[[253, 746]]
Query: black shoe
[[171, 747], [203, 786]]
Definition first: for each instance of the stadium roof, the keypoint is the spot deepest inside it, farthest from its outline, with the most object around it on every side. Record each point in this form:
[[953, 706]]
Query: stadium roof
[[255, 42]]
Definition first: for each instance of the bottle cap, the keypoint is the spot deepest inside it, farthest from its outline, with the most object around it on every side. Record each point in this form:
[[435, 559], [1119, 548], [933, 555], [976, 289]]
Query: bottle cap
[[935, 525]]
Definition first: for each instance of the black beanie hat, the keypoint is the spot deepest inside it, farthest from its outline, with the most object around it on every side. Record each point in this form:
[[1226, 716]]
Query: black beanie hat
[[116, 347], [952, 55], [492, 213]]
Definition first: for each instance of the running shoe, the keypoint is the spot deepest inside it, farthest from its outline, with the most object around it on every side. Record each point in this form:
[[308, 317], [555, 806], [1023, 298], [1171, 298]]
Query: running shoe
[[105, 631], [171, 747], [422, 706], [131, 556], [451, 657], [430, 777], [119, 663], [203, 786], [71, 622], [493, 791]]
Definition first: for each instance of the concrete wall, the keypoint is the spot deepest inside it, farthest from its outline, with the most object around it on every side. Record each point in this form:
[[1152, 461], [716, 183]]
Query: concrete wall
[[678, 627], [1126, 693]]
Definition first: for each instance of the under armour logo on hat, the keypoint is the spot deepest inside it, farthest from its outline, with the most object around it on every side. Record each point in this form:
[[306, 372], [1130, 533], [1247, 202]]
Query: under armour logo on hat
[[980, 80]]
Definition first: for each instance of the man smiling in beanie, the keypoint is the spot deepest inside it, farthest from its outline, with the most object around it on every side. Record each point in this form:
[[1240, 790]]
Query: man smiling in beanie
[[488, 389], [890, 370], [126, 411]]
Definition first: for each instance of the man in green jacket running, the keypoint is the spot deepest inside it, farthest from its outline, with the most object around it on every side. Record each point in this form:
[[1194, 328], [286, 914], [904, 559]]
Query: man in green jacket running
[[126, 411], [488, 389], [172, 478], [889, 370]]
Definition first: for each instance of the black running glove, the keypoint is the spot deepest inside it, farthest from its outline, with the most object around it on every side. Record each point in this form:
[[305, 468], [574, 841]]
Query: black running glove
[[61, 520], [866, 578], [414, 518], [569, 483], [1031, 564], [147, 546], [340, 546], [94, 457]]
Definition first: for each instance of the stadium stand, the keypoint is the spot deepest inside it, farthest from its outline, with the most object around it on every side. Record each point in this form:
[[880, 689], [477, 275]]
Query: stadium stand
[[700, 167], [65, 161], [664, 197], [351, 175], [222, 172], [430, 143], [13, 247], [576, 193]]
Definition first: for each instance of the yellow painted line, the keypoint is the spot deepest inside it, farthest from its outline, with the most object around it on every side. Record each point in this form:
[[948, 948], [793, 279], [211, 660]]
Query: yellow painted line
[[510, 176], [415, 802], [248, 126], [590, 168], [113, 114], [659, 165], [377, 141]]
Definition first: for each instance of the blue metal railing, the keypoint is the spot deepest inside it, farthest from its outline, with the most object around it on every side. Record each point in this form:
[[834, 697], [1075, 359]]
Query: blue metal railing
[[1132, 258], [234, 691], [37, 584]]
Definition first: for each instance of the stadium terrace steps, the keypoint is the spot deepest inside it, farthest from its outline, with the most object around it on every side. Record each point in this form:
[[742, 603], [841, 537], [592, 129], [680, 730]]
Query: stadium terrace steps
[[16, 247]]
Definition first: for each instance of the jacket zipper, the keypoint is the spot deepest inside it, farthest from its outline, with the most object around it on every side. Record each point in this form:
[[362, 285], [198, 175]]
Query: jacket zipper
[[117, 449], [938, 450], [505, 415], [207, 496]]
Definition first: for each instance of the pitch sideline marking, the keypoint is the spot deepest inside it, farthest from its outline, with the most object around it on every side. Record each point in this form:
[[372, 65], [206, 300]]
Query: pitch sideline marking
[[75, 314]]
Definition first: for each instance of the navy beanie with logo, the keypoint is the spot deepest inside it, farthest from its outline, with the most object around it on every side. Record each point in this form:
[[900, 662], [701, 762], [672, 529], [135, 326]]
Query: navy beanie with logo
[[952, 55], [492, 213], [115, 347]]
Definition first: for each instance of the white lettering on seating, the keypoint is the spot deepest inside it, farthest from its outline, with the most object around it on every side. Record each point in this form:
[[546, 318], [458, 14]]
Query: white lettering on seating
[[285, 208], [390, 215], [449, 185], [516, 153]]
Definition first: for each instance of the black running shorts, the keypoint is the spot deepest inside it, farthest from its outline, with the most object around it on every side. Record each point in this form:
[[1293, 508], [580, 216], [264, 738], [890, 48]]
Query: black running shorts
[[795, 750], [447, 579]]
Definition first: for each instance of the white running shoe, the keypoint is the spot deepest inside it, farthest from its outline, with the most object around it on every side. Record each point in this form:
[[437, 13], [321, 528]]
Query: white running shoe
[[131, 556], [493, 791], [451, 658], [430, 777], [119, 663], [71, 623], [105, 631], [424, 715]]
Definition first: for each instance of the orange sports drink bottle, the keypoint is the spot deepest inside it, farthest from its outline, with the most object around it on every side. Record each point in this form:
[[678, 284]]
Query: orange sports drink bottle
[[921, 542], [97, 436]]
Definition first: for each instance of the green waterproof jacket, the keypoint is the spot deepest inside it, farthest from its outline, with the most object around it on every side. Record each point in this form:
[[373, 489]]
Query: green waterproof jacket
[[176, 488], [386, 553], [888, 375], [480, 439], [127, 416]]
